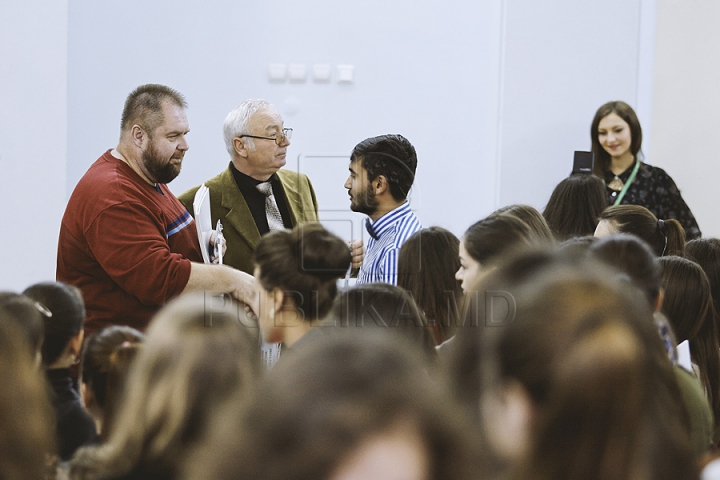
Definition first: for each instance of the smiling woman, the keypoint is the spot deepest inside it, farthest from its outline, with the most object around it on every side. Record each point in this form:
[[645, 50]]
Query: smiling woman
[[616, 141]]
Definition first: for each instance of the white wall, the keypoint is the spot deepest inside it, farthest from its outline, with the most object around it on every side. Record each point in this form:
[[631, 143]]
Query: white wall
[[495, 95], [686, 107], [33, 138], [562, 61], [423, 69]]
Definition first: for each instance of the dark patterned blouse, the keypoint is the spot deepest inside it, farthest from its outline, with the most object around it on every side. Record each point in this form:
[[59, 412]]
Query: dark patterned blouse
[[656, 191]]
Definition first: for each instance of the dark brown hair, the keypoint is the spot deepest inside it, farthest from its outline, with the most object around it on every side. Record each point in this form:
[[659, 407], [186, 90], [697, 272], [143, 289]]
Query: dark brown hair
[[144, 106], [575, 205], [491, 237], [706, 252], [633, 257], [391, 156], [318, 407], [104, 365], [26, 419], [196, 357], [305, 263], [564, 309], [540, 231], [386, 307], [66, 305], [624, 111], [666, 237], [427, 264], [688, 306], [27, 315]]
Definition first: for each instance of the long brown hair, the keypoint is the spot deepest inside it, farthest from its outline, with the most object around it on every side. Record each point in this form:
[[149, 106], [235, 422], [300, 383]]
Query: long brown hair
[[427, 264], [316, 409], [666, 237], [706, 252], [574, 206], [688, 306], [198, 354], [624, 111], [539, 229], [560, 309], [26, 419]]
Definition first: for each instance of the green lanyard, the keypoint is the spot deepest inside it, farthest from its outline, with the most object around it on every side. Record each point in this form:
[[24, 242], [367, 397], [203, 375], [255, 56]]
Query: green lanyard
[[628, 183]]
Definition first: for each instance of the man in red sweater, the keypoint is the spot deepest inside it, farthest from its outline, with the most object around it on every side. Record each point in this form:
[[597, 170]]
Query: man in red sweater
[[125, 240]]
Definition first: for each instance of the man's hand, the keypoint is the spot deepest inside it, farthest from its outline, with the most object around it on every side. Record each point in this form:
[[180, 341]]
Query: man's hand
[[357, 250], [246, 289], [213, 258]]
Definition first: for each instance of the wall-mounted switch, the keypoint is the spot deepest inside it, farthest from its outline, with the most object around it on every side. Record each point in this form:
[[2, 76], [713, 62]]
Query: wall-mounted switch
[[345, 73], [277, 72], [297, 72], [322, 72]]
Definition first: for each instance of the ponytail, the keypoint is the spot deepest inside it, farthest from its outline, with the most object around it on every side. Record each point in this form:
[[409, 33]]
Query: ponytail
[[675, 235]]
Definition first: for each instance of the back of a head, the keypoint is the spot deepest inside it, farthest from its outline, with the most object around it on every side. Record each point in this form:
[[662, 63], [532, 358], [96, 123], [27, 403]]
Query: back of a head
[[532, 218], [688, 306], [26, 314], [305, 263], [65, 303], [318, 408], [427, 264], [143, 106], [198, 355], [557, 307], [385, 307], [392, 156], [687, 295], [575, 205], [633, 257], [487, 240], [104, 366], [706, 252], [666, 237], [26, 435]]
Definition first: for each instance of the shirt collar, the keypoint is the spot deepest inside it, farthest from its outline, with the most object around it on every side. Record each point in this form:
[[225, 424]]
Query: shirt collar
[[246, 182], [382, 224]]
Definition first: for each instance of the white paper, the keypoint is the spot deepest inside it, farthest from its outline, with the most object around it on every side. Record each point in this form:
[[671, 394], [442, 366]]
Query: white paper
[[683, 350], [201, 206]]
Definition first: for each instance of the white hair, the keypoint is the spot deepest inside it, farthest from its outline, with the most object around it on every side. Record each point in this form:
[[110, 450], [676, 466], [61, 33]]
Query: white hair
[[236, 123]]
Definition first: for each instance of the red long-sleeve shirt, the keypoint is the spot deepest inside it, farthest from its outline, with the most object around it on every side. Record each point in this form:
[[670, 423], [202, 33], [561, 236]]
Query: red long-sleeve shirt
[[125, 244]]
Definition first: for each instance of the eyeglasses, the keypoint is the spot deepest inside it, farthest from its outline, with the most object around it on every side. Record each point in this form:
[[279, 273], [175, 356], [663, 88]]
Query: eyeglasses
[[278, 139]]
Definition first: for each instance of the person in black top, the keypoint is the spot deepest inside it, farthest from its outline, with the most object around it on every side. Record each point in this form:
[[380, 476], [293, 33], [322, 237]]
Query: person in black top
[[61, 349], [616, 140]]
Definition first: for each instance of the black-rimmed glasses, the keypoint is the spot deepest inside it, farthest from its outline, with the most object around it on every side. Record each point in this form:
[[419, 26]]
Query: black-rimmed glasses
[[278, 139]]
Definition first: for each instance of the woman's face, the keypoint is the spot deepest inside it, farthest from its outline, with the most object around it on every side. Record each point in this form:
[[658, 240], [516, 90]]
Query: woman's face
[[614, 135], [469, 271]]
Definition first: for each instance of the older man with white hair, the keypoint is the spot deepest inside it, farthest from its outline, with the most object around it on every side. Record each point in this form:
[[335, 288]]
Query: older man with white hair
[[255, 195]]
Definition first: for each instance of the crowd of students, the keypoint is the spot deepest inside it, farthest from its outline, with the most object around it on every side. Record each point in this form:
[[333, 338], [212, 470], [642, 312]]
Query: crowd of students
[[542, 355], [540, 346]]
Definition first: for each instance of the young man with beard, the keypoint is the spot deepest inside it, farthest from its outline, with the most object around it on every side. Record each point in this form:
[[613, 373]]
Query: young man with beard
[[125, 241], [382, 170]]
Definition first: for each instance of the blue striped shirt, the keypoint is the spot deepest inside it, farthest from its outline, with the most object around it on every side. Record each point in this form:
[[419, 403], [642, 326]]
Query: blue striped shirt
[[387, 234]]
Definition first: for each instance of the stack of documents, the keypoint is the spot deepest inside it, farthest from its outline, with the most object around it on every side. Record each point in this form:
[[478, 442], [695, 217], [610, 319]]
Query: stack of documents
[[201, 206]]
